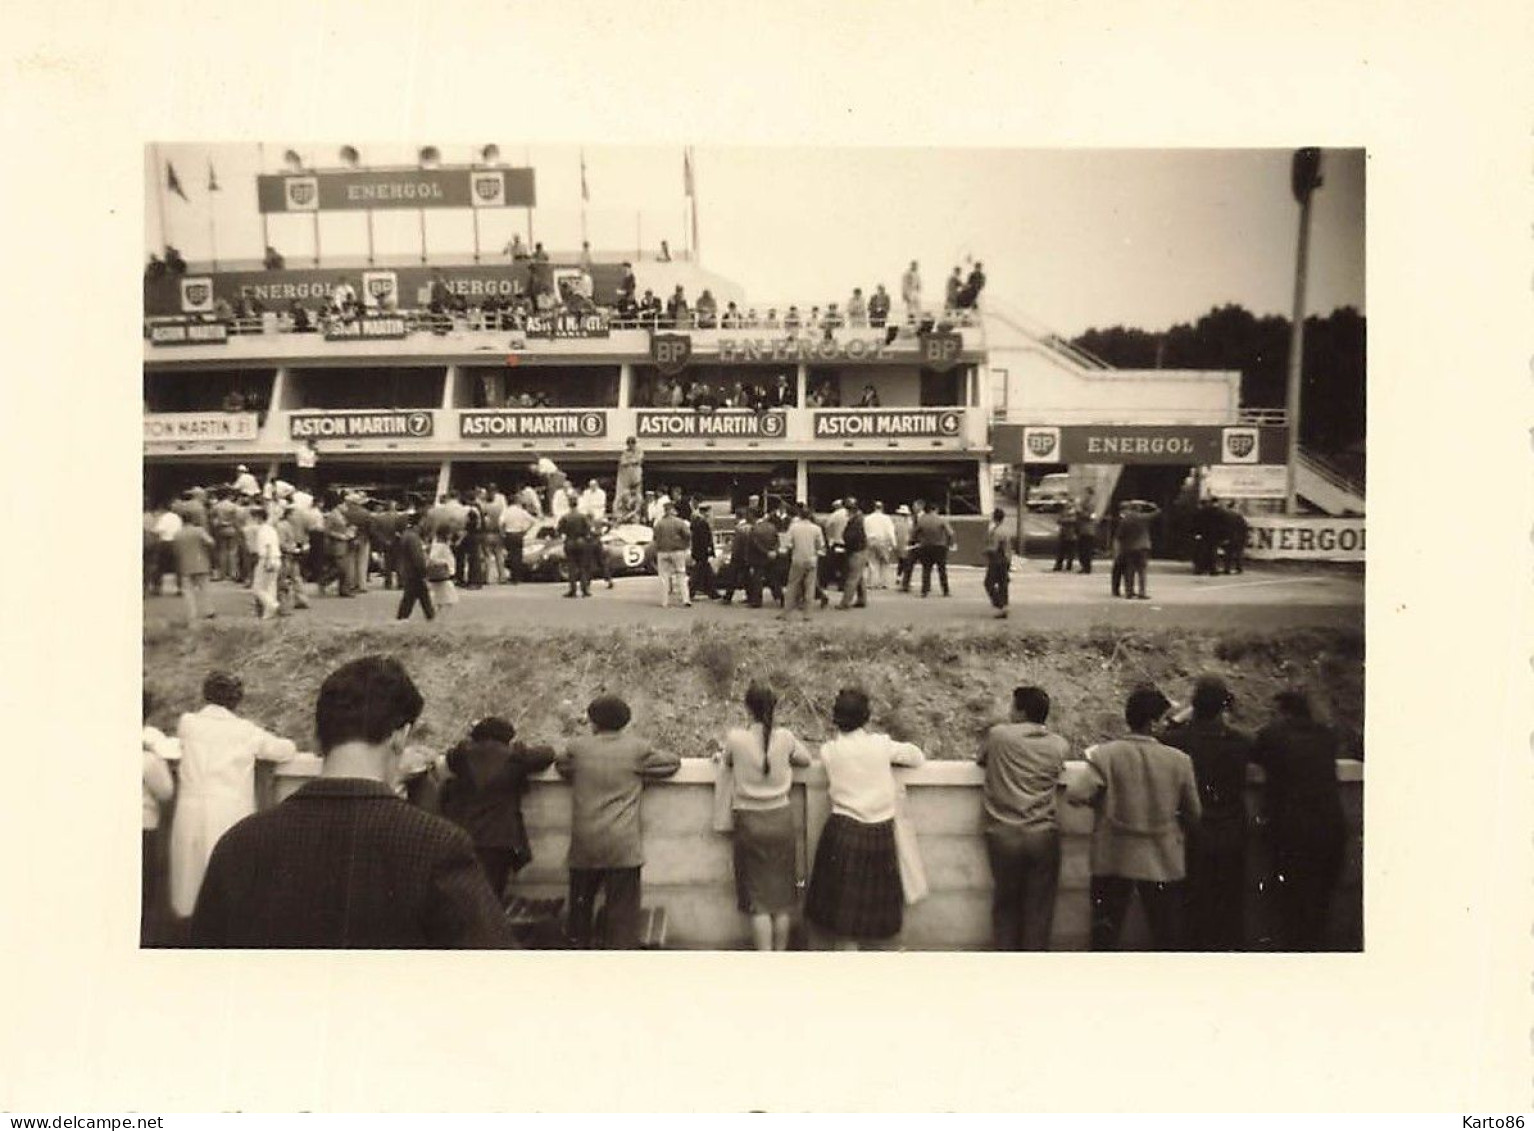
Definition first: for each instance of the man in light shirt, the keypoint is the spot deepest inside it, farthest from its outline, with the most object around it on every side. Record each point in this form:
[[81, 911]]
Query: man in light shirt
[[593, 502], [268, 565], [244, 482], [806, 546], [516, 521], [166, 527], [880, 529], [673, 539]]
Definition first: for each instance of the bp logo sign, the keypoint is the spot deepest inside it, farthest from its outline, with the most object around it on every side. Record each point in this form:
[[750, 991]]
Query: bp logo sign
[[489, 190], [670, 352], [418, 424], [379, 286], [774, 424], [592, 424], [1041, 445], [196, 296], [302, 194], [1240, 445]]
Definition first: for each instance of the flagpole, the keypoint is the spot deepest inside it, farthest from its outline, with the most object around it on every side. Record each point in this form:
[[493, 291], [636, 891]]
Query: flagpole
[[693, 164], [212, 232], [266, 236], [583, 197], [527, 161], [159, 196]]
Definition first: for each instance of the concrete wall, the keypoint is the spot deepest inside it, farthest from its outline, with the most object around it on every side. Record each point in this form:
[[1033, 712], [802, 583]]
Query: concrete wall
[[688, 867]]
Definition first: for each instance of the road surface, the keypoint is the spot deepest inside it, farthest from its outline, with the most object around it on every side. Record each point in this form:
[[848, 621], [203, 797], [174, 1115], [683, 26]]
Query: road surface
[[1261, 600]]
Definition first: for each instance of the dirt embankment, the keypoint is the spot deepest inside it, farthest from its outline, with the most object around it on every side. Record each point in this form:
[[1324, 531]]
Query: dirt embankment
[[939, 688]]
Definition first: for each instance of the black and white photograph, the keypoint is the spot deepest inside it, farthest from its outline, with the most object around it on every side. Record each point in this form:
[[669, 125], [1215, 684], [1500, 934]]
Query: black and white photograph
[[592, 547], [818, 559]]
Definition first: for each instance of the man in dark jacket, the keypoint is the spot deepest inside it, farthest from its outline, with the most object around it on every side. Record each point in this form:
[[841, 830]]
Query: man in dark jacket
[[410, 560], [855, 540], [1233, 538], [575, 528], [1299, 757], [484, 797], [702, 536], [345, 862], [1216, 847], [735, 573], [761, 552]]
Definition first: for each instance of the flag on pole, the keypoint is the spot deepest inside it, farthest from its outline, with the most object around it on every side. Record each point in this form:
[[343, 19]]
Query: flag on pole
[[212, 178], [585, 191], [687, 171], [173, 182]]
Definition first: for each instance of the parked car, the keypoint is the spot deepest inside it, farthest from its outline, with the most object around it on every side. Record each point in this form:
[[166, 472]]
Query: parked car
[[628, 547], [1050, 494]]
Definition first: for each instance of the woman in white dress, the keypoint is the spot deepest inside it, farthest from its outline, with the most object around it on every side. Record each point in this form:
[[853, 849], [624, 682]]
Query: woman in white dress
[[217, 782]]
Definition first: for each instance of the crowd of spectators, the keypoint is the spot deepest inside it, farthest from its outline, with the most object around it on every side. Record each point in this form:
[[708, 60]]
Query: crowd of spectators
[[442, 837], [442, 308]]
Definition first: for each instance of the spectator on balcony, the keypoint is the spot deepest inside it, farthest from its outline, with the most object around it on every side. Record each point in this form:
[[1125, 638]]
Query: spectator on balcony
[[665, 252], [219, 751], [516, 250], [870, 397], [732, 318], [344, 295], [857, 310], [1147, 803], [770, 322], [814, 321], [173, 261], [910, 289], [704, 398], [155, 268], [678, 394], [784, 395], [1216, 850], [650, 309], [584, 259], [273, 260], [954, 286], [832, 322], [791, 320], [1023, 763], [626, 311], [222, 311], [878, 307], [708, 310], [1304, 810], [969, 294], [678, 314], [630, 284], [299, 319], [855, 891]]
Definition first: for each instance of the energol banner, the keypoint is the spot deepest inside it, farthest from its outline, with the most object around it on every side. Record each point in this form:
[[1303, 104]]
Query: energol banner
[[1168, 444], [359, 189], [1314, 539]]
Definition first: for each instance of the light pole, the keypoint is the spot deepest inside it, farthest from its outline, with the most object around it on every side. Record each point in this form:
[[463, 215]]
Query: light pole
[[1304, 179]]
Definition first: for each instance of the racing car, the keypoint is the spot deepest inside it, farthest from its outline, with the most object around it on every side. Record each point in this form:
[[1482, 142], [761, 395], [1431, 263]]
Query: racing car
[[628, 548]]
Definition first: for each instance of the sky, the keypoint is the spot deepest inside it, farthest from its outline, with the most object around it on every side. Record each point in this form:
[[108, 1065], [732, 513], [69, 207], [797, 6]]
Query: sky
[[1071, 238]]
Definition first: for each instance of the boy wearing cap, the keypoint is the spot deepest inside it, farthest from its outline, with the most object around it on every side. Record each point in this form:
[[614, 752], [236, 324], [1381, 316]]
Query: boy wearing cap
[[607, 771]]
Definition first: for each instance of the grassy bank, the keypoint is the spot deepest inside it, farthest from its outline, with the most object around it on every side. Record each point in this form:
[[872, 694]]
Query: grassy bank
[[939, 688]]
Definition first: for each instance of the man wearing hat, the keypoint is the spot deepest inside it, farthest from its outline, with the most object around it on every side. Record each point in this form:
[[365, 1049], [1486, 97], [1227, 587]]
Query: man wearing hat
[[244, 482], [672, 540], [903, 547], [701, 533]]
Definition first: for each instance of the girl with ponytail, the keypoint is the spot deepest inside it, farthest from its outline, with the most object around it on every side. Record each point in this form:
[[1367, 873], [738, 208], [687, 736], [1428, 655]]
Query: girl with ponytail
[[761, 757]]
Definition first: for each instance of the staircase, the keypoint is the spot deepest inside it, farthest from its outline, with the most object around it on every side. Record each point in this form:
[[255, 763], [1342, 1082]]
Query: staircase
[[1327, 487]]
